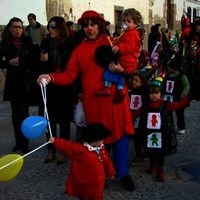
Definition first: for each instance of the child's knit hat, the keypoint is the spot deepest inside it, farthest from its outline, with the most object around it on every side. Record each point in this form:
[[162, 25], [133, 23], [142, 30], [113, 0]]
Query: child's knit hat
[[158, 81]]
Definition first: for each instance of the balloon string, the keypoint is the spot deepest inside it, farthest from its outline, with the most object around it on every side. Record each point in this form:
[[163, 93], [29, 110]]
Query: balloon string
[[44, 96], [10, 163]]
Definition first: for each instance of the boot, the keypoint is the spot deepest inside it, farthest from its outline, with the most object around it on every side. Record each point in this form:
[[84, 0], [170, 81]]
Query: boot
[[61, 159], [119, 96], [50, 157], [127, 183], [160, 174], [151, 169]]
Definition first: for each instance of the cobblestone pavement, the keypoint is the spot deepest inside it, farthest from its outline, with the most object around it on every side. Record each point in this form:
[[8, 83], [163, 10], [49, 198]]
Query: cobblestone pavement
[[39, 181]]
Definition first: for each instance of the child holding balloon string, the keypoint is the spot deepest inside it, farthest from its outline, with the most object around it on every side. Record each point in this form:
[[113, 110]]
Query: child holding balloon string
[[88, 156]]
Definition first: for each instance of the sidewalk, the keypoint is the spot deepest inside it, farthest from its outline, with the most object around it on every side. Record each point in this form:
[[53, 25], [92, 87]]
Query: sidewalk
[[39, 181]]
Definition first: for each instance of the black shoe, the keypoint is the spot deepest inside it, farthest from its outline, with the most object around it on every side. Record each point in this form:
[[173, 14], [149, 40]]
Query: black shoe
[[50, 158], [59, 162], [16, 148], [25, 150], [127, 183], [61, 159]]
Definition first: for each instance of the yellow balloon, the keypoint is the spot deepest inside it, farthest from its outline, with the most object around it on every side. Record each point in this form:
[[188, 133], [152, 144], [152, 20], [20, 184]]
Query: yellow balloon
[[10, 166]]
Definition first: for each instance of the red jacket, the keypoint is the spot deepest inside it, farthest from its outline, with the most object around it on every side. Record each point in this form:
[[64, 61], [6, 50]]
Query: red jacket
[[115, 117], [129, 45], [88, 169]]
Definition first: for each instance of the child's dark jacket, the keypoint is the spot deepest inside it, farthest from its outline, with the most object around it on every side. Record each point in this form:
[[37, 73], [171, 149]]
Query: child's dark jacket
[[153, 124]]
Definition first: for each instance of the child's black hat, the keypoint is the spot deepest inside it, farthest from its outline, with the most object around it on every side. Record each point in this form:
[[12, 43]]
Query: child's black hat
[[175, 62], [95, 132], [148, 71]]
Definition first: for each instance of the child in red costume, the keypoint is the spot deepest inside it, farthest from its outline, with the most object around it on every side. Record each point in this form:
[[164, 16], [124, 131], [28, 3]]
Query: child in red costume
[[127, 45], [90, 164]]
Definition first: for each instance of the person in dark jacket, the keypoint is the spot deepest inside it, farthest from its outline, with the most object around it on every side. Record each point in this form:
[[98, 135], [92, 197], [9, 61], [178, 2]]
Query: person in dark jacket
[[176, 87], [35, 30], [56, 50], [20, 57], [157, 34]]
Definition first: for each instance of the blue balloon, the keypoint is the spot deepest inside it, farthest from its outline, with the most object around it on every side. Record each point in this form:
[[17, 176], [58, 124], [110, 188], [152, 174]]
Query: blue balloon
[[34, 126]]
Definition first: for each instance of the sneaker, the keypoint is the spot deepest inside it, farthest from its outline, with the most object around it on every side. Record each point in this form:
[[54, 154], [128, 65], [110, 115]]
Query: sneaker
[[128, 183], [181, 131]]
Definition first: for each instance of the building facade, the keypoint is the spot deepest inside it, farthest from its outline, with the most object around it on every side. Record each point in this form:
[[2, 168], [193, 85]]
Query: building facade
[[166, 12]]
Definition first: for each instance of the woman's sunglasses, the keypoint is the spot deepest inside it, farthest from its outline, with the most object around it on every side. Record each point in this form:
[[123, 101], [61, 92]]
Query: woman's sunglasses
[[52, 27]]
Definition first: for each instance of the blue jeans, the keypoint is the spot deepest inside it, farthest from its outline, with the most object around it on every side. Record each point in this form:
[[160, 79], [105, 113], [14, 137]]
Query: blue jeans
[[121, 157]]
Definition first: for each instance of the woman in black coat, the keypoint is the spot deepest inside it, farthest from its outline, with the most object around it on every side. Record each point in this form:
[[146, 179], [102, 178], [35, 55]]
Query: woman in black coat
[[56, 50], [20, 57], [157, 34]]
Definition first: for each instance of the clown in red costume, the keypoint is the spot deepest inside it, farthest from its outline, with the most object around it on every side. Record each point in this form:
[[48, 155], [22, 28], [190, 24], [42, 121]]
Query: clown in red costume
[[115, 117]]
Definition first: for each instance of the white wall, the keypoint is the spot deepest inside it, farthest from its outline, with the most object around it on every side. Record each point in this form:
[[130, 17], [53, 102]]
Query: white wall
[[21, 8], [107, 7]]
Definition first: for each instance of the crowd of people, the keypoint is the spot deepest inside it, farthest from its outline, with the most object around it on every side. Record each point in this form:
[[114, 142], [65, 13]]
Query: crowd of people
[[127, 92]]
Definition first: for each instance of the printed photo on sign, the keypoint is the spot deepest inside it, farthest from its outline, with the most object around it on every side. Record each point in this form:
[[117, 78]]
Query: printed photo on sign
[[154, 140], [153, 121], [136, 102], [168, 98], [169, 86]]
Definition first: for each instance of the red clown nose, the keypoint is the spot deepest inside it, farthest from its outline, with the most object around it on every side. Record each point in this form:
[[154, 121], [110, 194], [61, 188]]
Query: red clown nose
[[89, 31]]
